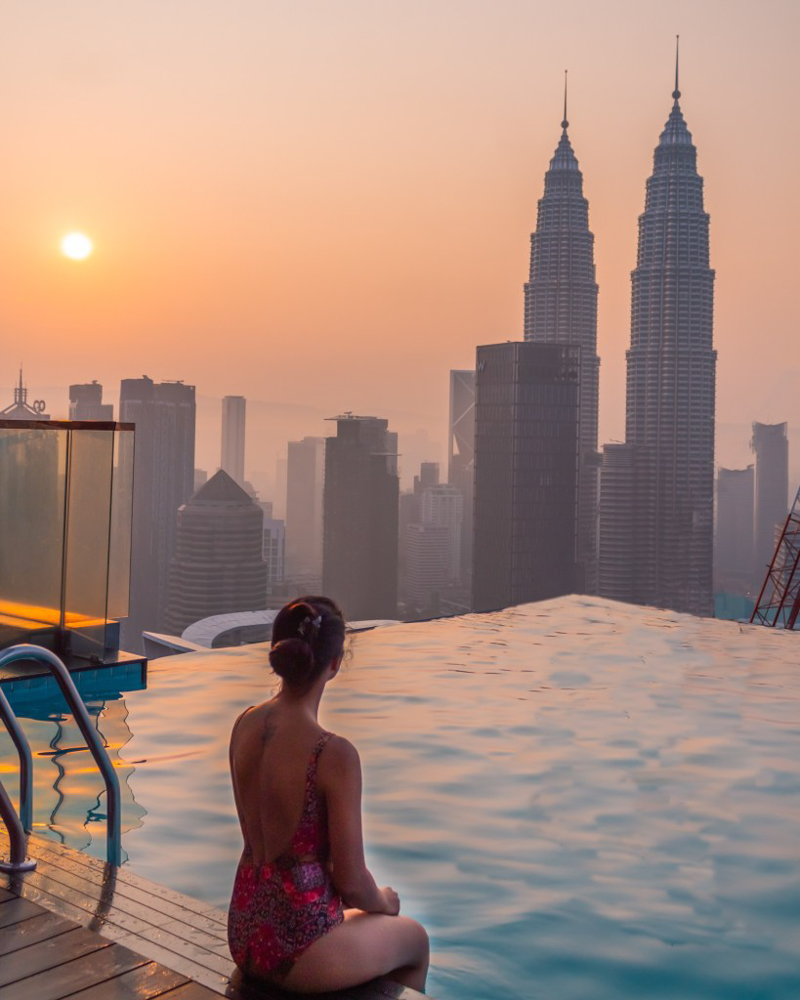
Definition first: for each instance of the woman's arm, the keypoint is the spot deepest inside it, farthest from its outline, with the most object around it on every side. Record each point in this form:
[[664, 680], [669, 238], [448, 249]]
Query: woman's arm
[[340, 774]]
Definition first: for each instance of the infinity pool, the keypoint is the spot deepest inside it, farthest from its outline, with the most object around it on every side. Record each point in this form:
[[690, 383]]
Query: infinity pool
[[581, 800]]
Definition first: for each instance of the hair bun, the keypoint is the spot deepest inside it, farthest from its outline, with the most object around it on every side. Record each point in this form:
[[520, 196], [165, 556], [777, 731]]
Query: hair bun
[[293, 660]]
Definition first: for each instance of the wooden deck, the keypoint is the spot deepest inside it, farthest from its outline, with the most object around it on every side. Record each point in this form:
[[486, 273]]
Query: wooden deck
[[76, 927]]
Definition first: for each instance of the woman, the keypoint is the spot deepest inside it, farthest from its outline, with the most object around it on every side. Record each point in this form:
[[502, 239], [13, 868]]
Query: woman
[[298, 796]]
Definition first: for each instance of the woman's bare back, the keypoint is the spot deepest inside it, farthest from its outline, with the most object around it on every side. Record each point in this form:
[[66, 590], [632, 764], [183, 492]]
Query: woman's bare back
[[269, 755]]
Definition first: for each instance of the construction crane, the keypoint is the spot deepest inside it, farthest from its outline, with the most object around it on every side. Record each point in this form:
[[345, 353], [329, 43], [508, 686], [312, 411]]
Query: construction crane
[[778, 603]]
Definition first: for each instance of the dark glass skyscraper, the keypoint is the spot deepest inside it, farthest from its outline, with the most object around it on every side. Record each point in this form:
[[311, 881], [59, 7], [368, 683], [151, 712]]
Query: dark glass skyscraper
[[526, 473], [561, 308], [164, 415], [671, 382], [360, 510]]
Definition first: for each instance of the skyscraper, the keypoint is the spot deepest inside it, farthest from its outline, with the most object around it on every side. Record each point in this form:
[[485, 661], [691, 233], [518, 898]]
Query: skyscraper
[[305, 472], [561, 308], [461, 458], [218, 566], [671, 384], [233, 426], [360, 511], [733, 543], [164, 415], [527, 399], [86, 403], [771, 446]]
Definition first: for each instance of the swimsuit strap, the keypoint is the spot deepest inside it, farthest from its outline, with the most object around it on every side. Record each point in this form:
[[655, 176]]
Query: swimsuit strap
[[319, 746]]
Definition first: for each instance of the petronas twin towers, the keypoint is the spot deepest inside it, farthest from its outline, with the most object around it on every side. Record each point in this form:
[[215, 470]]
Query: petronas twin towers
[[653, 497]]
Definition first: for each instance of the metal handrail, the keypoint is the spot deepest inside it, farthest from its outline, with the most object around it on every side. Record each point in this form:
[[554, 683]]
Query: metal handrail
[[113, 823], [25, 762], [18, 862]]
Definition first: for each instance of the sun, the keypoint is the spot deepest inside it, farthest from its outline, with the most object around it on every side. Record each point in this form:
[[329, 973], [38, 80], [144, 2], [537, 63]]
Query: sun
[[76, 246]]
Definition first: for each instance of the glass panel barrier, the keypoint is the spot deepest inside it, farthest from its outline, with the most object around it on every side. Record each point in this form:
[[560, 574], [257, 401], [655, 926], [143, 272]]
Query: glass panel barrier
[[89, 466], [32, 503], [65, 534], [119, 559]]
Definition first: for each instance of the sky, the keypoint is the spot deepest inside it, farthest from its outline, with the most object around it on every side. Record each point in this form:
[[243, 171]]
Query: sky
[[325, 206]]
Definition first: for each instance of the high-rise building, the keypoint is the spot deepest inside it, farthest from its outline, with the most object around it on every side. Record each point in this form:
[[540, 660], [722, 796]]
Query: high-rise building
[[561, 308], [218, 566], [733, 542], [671, 386], [86, 403], [360, 512], [526, 473], [427, 561], [461, 458], [233, 427], [430, 541], [771, 446], [305, 473], [618, 572], [164, 415], [274, 547]]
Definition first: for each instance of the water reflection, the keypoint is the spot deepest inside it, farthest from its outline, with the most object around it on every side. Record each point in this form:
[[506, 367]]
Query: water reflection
[[69, 796]]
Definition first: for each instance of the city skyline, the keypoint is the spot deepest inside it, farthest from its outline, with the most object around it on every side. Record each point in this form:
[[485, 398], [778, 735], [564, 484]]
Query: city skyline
[[190, 253]]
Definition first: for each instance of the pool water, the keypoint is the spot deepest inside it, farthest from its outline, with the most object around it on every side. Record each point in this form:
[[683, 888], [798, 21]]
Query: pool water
[[579, 799]]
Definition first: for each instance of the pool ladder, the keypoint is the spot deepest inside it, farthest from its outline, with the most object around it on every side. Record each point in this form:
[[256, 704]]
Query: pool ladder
[[19, 826]]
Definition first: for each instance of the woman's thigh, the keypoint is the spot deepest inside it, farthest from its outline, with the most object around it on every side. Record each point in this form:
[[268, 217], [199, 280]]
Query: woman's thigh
[[364, 946]]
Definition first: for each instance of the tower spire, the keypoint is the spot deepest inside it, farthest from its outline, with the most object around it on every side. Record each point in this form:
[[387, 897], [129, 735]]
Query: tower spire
[[676, 92], [565, 123]]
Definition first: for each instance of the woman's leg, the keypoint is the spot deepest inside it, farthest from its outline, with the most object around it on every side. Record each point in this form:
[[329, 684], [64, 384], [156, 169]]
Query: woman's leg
[[364, 946]]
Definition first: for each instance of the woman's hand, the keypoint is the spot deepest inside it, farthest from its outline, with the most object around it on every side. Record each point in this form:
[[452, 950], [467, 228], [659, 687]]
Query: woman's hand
[[392, 901]]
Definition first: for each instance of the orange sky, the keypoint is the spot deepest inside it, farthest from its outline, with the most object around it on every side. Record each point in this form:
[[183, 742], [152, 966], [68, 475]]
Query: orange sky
[[327, 205]]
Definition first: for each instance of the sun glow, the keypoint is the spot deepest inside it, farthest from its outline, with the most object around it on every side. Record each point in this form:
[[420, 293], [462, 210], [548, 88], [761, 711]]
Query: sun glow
[[76, 246]]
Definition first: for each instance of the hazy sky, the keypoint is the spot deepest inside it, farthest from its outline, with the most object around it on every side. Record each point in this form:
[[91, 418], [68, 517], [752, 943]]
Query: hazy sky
[[327, 205]]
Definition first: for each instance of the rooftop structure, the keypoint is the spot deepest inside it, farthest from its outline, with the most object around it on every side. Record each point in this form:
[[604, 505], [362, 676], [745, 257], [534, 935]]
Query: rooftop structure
[[21, 409]]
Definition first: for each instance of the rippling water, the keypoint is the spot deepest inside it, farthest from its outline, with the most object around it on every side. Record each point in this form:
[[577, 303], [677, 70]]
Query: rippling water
[[579, 799]]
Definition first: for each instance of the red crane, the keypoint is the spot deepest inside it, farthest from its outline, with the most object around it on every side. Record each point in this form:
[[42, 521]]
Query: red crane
[[779, 600]]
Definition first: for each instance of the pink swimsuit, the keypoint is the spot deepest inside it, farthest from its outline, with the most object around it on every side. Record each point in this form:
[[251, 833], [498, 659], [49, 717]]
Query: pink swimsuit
[[279, 909]]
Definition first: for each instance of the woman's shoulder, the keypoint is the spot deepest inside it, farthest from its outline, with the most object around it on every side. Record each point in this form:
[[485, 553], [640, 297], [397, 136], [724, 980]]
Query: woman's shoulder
[[340, 752]]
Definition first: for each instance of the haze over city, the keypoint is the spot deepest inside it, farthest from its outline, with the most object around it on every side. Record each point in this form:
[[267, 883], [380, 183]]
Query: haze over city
[[325, 207]]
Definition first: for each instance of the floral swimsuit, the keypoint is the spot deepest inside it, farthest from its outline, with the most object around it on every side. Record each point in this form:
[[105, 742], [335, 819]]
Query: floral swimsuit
[[279, 909]]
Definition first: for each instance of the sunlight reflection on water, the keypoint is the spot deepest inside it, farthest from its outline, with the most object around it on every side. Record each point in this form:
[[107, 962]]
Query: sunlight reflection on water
[[578, 798]]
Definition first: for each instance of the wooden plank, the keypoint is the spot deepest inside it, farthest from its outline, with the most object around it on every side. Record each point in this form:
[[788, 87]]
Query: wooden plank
[[18, 909], [76, 974], [124, 876], [172, 905], [113, 932], [45, 900], [145, 983], [38, 928], [5, 895], [49, 954]]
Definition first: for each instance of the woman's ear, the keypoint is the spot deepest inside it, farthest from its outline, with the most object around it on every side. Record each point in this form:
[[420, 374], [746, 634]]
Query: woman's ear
[[336, 663]]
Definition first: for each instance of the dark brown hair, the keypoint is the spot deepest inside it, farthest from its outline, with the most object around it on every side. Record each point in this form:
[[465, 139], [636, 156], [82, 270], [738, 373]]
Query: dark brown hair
[[306, 635]]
